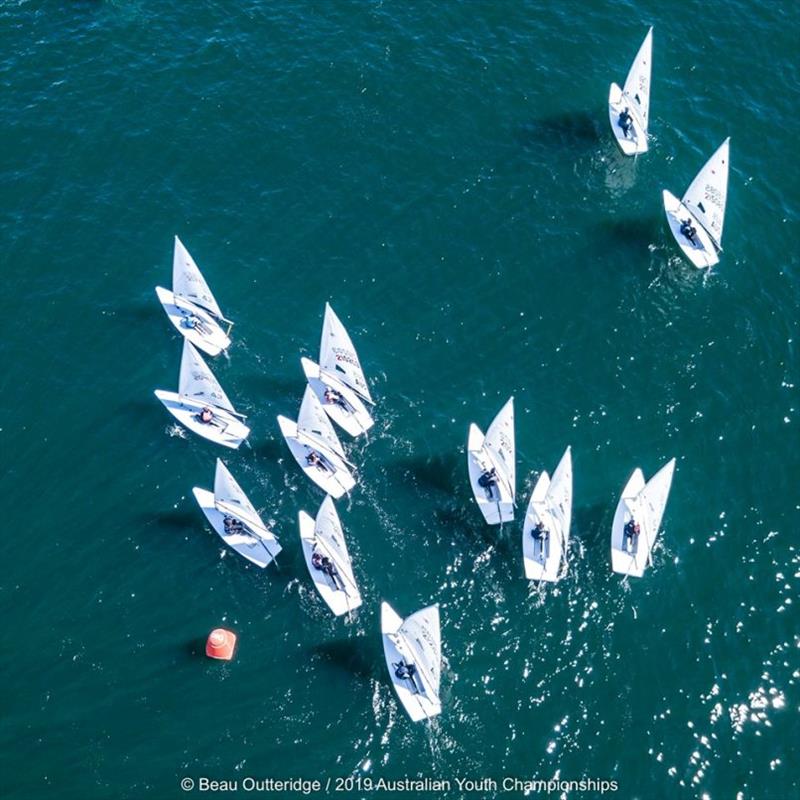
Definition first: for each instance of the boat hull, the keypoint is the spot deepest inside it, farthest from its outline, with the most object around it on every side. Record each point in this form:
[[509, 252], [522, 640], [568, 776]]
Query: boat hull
[[417, 704], [212, 339], [499, 507], [356, 419], [335, 482], [249, 547], [635, 143], [703, 254], [227, 430]]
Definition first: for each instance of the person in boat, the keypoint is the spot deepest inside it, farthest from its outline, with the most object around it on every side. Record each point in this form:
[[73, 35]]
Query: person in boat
[[488, 480], [625, 121], [314, 459], [405, 671], [540, 532], [333, 397], [316, 560], [688, 230], [329, 568], [232, 525], [206, 415], [632, 531]]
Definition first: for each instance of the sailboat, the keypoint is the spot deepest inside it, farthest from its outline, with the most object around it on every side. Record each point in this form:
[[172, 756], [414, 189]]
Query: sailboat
[[545, 534], [338, 380], [633, 98], [327, 558], [641, 504], [191, 307], [492, 472], [317, 448], [231, 514], [414, 642], [201, 405], [696, 219]]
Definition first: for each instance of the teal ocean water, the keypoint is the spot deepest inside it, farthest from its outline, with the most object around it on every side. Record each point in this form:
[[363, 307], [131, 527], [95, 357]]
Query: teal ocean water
[[445, 176]]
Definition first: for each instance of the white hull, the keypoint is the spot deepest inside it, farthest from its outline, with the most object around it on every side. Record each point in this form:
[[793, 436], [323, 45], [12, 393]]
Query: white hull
[[339, 600], [500, 507], [541, 559], [254, 549], [703, 253], [635, 142], [410, 692], [623, 560], [336, 481], [212, 339], [225, 429], [356, 418]]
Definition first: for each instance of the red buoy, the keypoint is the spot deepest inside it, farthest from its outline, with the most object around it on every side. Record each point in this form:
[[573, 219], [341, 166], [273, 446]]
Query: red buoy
[[220, 644]]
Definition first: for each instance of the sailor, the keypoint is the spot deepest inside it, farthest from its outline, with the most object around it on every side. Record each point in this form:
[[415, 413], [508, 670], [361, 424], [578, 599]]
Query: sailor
[[329, 568], [206, 415], [632, 530], [313, 459], [688, 230], [316, 560], [232, 525], [540, 532], [488, 480], [625, 121], [333, 397], [403, 670]]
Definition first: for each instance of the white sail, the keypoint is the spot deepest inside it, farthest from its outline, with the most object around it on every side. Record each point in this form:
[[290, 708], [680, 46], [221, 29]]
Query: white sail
[[559, 496], [188, 282], [330, 542], [708, 193], [198, 382], [230, 497], [499, 442], [652, 500], [338, 356], [314, 426], [422, 632], [637, 84]]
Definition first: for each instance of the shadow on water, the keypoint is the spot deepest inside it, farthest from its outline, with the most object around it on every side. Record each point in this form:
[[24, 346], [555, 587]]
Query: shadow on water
[[570, 129], [433, 472], [271, 449], [272, 388], [135, 312], [592, 526], [175, 521], [465, 528], [635, 233], [349, 655], [194, 648]]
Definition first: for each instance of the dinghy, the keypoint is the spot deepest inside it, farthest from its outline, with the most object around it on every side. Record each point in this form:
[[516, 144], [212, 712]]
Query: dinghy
[[641, 504], [191, 307], [414, 642], [231, 514], [338, 380], [696, 219], [327, 558], [317, 448], [492, 473], [201, 405], [633, 100], [545, 534]]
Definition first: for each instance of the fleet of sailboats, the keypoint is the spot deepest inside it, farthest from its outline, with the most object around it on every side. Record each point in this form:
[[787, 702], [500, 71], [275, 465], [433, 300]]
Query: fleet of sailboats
[[337, 393]]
